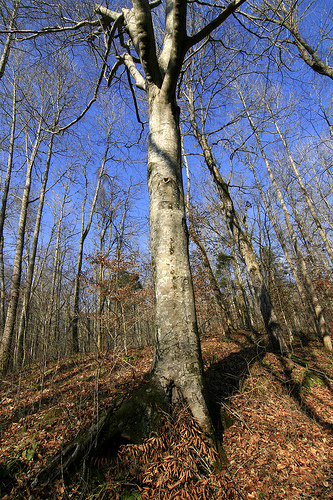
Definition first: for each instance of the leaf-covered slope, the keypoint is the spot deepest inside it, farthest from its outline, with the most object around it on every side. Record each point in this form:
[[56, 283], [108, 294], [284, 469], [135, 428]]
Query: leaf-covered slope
[[279, 446]]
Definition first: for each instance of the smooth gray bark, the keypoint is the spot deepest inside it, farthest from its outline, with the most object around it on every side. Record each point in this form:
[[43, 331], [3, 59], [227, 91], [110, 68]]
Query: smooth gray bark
[[177, 360]]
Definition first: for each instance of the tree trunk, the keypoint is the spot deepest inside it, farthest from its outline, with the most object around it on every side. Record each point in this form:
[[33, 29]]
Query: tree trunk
[[17, 267], [240, 237], [177, 362]]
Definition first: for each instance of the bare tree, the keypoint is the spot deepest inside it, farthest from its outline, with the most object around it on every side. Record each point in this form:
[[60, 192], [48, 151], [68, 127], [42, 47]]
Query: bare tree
[[17, 266], [240, 237], [317, 309]]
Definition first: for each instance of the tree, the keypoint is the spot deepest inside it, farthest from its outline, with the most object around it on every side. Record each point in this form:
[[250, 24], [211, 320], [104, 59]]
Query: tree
[[317, 309], [241, 238], [177, 366]]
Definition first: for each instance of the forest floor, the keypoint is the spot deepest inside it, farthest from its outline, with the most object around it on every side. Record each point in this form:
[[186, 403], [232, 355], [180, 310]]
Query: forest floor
[[279, 442]]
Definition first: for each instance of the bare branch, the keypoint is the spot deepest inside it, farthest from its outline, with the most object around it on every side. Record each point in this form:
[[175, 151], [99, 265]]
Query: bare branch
[[140, 81], [113, 71], [215, 23], [109, 16], [285, 19], [146, 39], [50, 29]]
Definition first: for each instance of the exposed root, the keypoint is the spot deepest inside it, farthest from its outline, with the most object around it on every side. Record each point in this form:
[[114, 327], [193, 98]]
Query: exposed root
[[170, 452], [178, 462]]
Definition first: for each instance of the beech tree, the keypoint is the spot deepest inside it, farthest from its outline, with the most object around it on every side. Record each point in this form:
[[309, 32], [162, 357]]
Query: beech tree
[[131, 43], [177, 366]]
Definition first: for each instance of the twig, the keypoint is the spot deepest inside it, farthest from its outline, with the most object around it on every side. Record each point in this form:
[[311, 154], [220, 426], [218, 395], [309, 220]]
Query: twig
[[236, 415]]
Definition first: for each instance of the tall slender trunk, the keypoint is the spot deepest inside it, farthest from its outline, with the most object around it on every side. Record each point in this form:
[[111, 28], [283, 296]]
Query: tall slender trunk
[[242, 292], [282, 240], [317, 309], [241, 239], [51, 332], [17, 266], [177, 358]]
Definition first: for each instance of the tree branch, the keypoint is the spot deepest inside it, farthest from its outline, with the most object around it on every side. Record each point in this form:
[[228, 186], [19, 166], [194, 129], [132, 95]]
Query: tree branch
[[146, 40], [140, 81], [50, 29], [177, 48], [215, 23]]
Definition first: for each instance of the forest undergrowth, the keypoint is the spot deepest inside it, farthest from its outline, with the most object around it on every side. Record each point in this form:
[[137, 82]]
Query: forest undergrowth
[[277, 412]]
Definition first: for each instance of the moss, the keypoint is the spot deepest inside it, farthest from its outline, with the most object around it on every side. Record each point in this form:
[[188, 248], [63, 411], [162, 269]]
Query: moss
[[218, 466], [298, 361], [266, 363], [311, 379], [51, 416], [126, 357], [226, 419], [137, 418]]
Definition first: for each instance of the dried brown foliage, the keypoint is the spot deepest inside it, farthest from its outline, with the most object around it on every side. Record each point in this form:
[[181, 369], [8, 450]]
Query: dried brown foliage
[[176, 464], [280, 445]]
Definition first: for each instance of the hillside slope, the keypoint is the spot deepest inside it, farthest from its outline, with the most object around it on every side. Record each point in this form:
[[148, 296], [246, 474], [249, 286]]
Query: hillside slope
[[278, 441]]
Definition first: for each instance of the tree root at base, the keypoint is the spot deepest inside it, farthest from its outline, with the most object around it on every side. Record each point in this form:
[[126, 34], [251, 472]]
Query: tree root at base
[[126, 421]]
